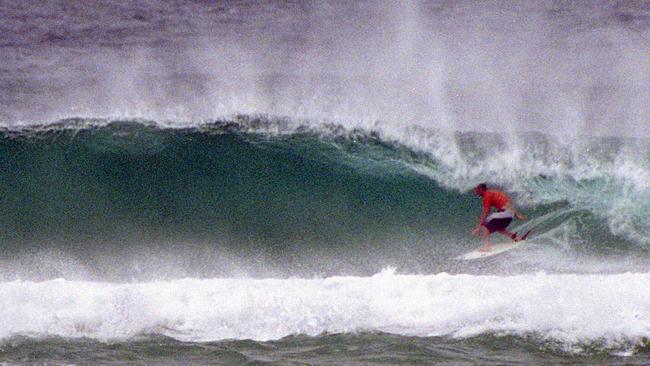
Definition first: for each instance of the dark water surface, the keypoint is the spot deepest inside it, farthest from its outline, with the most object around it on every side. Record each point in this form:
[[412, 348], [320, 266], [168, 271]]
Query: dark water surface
[[337, 349]]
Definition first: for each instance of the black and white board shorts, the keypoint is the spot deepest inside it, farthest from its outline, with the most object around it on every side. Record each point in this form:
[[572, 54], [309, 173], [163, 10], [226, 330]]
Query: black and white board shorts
[[499, 220]]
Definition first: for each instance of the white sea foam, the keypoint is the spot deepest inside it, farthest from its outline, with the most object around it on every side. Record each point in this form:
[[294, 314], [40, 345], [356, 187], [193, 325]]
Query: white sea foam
[[609, 310], [608, 178]]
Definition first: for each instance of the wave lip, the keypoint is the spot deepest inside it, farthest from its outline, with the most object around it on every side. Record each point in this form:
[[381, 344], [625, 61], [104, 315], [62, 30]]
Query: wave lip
[[611, 311]]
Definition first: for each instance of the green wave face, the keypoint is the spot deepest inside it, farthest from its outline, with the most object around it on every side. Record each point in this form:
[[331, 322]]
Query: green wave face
[[135, 199]]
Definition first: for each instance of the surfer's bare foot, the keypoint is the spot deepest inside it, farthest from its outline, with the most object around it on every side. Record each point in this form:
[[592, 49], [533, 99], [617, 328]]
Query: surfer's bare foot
[[486, 248]]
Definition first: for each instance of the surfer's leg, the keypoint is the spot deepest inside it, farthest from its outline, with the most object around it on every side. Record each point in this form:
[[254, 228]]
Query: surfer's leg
[[487, 246], [509, 234], [500, 225]]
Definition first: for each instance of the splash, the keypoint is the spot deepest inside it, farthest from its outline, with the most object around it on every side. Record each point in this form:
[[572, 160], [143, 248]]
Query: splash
[[609, 311]]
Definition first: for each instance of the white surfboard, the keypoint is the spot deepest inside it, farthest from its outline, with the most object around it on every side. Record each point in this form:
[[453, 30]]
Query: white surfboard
[[496, 249]]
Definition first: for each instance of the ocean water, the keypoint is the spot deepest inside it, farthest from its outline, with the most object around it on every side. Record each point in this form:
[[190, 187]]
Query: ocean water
[[289, 182]]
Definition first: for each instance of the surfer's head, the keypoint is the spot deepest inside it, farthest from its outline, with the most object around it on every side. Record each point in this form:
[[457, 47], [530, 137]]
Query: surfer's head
[[480, 189]]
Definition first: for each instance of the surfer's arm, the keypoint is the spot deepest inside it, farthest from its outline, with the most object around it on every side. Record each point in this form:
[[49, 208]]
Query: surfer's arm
[[484, 214], [518, 214]]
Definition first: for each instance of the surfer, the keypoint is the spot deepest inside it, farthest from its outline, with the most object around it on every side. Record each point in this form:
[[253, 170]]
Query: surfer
[[496, 221]]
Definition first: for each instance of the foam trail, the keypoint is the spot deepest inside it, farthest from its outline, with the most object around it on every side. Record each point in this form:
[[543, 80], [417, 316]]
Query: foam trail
[[607, 310]]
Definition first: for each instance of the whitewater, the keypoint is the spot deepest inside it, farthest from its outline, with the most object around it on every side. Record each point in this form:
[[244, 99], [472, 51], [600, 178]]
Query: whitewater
[[289, 183], [576, 310]]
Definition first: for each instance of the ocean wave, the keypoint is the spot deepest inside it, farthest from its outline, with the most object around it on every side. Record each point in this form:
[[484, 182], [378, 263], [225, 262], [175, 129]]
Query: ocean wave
[[608, 311], [607, 177]]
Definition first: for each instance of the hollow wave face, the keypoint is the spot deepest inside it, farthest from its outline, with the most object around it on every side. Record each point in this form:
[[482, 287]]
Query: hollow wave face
[[263, 196]]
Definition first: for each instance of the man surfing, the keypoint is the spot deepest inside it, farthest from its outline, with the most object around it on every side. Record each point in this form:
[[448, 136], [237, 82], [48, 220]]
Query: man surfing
[[496, 221]]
